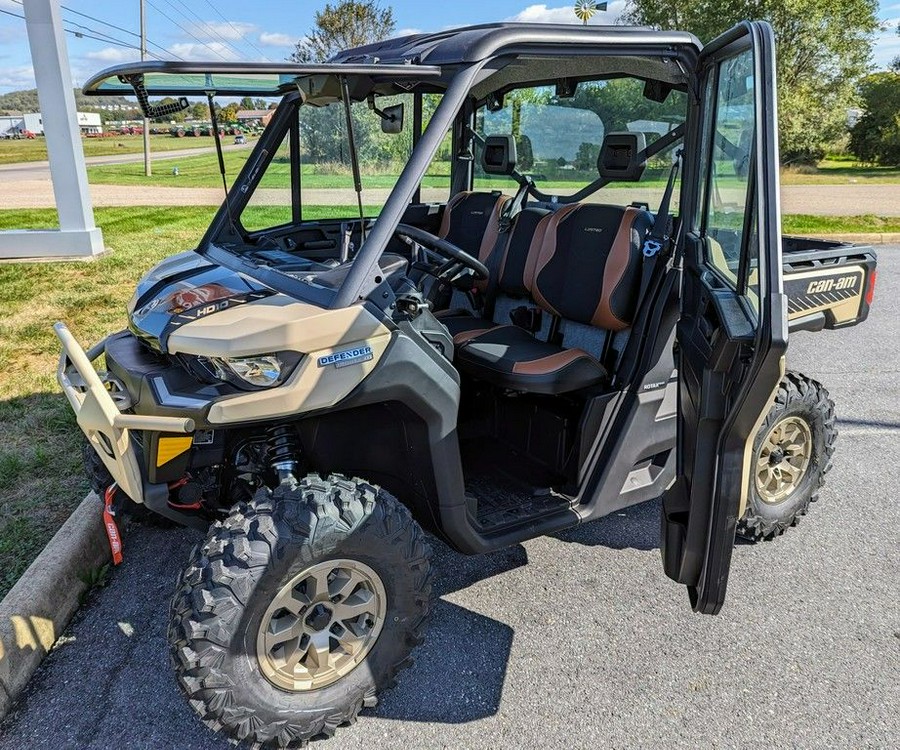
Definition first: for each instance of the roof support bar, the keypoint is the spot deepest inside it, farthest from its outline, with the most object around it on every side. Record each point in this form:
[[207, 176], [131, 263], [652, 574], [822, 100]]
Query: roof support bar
[[360, 279]]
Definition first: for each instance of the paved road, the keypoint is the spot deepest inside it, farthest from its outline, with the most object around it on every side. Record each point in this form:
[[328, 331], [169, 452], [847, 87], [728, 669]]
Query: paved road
[[579, 641], [28, 185]]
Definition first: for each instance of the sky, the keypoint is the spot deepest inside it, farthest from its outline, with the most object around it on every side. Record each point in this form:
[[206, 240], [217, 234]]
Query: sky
[[268, 29]]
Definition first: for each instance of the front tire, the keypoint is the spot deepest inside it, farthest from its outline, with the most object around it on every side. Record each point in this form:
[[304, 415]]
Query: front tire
[[299, 608], [791, 455]]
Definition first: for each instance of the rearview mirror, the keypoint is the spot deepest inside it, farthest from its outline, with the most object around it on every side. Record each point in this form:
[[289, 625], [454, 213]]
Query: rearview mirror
[[392, 119]]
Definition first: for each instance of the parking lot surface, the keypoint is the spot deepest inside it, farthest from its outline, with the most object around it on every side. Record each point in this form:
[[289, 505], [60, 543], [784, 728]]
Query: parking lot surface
[[579, 640]]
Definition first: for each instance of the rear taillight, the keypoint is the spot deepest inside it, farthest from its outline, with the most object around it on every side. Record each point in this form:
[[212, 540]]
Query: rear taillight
[[870, 290]]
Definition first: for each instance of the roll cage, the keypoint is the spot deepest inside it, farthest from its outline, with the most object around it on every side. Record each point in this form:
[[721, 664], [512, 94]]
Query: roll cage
[[465, 66]]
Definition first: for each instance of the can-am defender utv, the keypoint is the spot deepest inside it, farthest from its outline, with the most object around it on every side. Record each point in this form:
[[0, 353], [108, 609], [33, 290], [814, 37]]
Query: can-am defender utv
[[487, 365]]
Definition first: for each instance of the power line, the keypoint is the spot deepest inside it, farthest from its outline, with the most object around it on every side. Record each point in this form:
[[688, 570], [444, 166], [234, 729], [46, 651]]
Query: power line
[[236, 30], [204, 26], [110, 38], [85, 35], [110, 25], [193, 36]]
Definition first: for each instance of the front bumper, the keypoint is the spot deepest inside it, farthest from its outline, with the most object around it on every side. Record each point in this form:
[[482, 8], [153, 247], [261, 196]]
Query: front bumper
[[107, 428]]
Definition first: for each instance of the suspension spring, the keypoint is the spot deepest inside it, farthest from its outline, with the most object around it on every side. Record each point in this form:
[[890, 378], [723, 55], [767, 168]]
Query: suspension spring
[[283, 446]]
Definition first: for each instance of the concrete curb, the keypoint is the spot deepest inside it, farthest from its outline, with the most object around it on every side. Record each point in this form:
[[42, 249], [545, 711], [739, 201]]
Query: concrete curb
[[38, 608]]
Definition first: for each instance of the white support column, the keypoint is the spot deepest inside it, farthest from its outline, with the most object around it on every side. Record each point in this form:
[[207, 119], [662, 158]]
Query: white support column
[[77, 236]]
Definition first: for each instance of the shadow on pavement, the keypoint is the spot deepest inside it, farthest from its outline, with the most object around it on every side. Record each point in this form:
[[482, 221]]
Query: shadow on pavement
[[631, 528], [109, 683]]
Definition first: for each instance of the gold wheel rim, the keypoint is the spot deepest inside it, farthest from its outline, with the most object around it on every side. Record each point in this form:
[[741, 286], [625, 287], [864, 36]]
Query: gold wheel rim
[[321, 625], [783, 459]]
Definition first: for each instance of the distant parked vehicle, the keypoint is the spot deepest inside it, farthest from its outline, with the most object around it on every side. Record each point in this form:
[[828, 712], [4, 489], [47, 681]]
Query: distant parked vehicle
[[239, 140]]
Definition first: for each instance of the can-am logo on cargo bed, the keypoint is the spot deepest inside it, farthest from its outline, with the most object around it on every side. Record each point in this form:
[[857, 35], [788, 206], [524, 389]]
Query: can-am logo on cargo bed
[[831, 285], [347, 357]]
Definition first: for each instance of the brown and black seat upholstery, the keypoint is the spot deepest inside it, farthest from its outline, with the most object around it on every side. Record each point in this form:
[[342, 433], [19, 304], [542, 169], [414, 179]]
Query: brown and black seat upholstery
[[471, 221], [522, 239], [586, 269]]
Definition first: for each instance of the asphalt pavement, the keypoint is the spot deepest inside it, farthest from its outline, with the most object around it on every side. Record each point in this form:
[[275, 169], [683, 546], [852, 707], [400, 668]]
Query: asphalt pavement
[[579, 640]]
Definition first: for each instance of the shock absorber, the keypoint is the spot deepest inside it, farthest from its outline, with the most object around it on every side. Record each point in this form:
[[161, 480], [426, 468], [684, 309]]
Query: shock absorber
[[283, 449]]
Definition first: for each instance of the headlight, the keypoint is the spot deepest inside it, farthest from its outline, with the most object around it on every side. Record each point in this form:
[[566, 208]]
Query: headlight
[[259, 370]]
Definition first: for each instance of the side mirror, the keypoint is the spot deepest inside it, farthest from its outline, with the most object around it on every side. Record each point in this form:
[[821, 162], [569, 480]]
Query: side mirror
[[565, 88], [392, 119]]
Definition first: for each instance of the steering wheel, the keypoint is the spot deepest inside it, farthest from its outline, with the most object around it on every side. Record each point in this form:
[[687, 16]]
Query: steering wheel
[[456, 258]]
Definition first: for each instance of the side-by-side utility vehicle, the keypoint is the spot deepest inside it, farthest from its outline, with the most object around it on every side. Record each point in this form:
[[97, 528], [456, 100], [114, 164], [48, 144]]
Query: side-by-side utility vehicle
[[488, 283]]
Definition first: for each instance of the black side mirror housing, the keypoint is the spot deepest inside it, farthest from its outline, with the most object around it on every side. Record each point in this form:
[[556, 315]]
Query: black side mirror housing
[[392, 119]]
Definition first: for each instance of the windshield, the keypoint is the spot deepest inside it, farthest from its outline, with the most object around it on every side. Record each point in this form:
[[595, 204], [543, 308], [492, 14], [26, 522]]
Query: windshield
[[558, 138], [324, 188]]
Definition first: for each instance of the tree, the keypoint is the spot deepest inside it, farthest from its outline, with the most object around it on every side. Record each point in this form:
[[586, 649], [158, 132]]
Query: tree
[[588, 154], [822, 49], [876, 137], [200, 111], [348, 23], [228, 113]]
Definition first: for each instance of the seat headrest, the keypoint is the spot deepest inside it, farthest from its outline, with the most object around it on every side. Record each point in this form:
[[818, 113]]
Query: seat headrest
[[619, 157], [499, 154]]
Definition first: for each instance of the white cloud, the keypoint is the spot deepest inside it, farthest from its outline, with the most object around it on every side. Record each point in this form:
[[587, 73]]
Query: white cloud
[[405, 32], [887, 43], [231, 31], [276, 39], [112, 55], [208, 51], [16, 77], [541, 13]]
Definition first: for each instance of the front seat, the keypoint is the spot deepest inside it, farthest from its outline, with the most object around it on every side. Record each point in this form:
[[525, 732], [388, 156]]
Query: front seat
[[587, 271], [471, 221]]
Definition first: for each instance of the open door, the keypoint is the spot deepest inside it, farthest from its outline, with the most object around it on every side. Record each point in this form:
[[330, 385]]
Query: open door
[[732, 333]]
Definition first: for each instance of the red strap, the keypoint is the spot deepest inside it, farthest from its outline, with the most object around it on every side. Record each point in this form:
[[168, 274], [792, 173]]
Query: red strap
[[109, 523]]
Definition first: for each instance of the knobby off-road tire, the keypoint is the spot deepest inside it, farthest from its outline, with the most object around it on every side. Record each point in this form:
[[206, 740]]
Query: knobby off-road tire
[[803, 412], [264, 549]]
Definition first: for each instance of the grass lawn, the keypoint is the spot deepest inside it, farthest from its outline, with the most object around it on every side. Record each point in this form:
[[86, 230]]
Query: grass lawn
[[40, 464], [815, 226], [202, 171], [13, 151], [839, 172]]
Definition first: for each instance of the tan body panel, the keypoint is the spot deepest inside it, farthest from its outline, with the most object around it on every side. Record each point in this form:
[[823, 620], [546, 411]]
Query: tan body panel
[[274, 324], [310, 387], [281, 324], [843, 298]]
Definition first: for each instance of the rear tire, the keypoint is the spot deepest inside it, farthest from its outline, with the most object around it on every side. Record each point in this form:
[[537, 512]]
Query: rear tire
[[803, 413], [231, 599]]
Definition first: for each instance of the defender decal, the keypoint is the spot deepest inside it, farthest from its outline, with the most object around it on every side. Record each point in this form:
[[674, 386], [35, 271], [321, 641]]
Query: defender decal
[[347, 357]]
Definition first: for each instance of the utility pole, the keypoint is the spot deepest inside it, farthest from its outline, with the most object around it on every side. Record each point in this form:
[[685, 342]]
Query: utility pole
[[148, 171]]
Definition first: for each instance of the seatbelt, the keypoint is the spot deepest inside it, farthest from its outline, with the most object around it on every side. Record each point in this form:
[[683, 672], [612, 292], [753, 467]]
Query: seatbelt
[[514, 206], [509, 212], [656, 245]]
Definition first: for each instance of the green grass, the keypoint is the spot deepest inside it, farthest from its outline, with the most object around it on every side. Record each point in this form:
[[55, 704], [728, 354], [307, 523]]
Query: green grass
[[804, 224], [14, 151], [203, 171], [41, 478], [840, 172], [40, 466]]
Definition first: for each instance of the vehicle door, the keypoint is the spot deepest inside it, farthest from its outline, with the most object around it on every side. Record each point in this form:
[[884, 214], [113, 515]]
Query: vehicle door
[[732, 332]]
